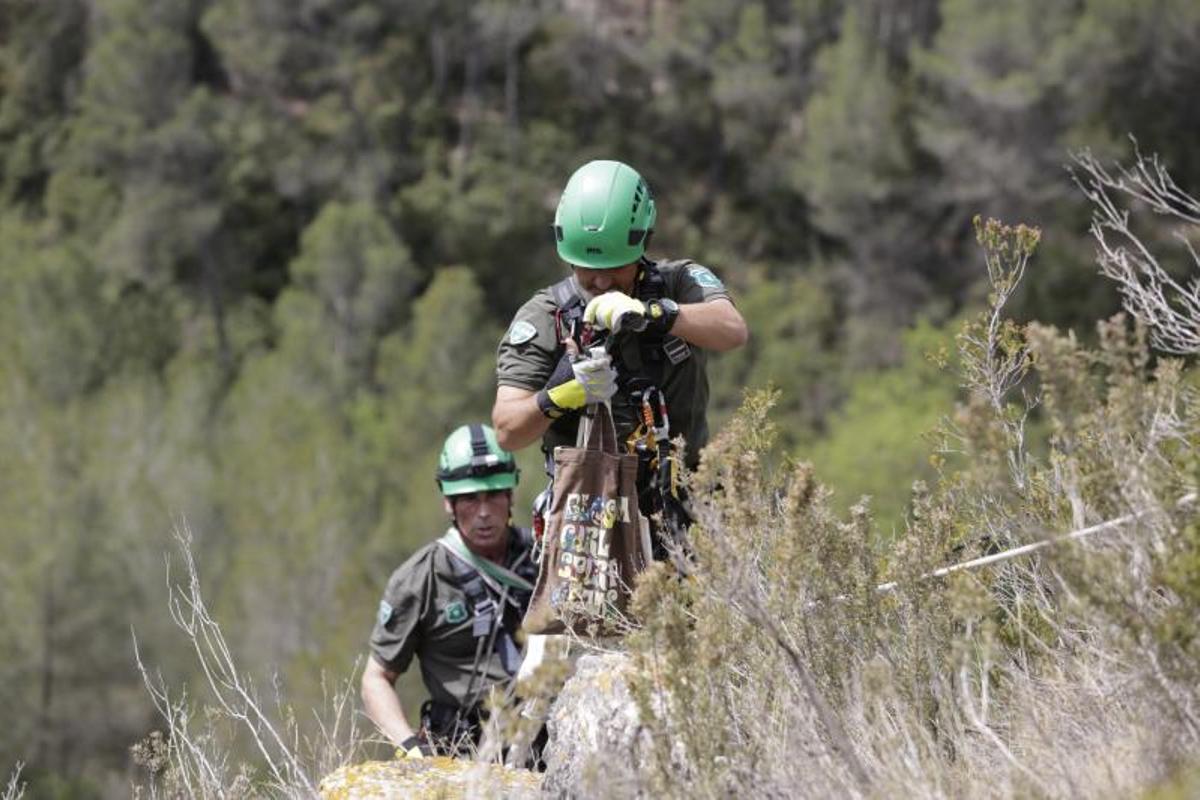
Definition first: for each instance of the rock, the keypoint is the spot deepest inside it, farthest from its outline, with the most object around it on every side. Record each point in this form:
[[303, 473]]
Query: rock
[[595, 740], [441, 778], [595, 732]]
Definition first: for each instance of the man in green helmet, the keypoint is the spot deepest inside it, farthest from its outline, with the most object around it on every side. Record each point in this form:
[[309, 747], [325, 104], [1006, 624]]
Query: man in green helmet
[[456, 605], [656, 320]]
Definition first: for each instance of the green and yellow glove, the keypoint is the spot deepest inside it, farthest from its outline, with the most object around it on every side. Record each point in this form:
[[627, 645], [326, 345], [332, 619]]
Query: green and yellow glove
[[414, 747], [575, 384], [617, 312]]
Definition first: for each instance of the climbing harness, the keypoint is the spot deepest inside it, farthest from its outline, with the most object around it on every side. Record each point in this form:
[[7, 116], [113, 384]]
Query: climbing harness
[[641, 363], [482, 582]]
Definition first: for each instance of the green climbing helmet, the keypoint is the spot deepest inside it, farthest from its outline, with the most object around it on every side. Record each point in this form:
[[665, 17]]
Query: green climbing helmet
[[605, 216], [473, 461]]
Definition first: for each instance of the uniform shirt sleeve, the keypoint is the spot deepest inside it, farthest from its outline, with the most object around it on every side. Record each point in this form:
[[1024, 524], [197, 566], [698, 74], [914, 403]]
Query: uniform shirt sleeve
[[689, 282], [396, 635], [529, 350]]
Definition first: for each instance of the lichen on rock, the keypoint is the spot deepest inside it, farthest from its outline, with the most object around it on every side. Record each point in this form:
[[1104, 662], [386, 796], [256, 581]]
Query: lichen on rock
[[429, 779], [596, 737]]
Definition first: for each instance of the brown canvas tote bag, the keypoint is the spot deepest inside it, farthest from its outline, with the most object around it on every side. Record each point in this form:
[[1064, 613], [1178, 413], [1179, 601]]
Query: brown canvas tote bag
[[593, 544]]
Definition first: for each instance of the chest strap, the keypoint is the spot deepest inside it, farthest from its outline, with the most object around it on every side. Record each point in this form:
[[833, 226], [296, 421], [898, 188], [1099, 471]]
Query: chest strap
[[495, 573], [476, 576]]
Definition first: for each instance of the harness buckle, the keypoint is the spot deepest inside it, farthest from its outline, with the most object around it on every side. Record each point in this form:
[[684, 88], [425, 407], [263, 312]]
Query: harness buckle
[[677, 349], [482, 624]]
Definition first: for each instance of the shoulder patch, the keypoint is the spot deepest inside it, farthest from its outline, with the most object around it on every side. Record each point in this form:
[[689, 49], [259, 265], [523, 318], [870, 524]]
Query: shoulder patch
[[385, 612], [705, 277], [521, 332]]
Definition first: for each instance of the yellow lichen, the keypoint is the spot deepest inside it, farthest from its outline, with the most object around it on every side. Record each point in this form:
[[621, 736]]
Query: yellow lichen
[[428, 779]]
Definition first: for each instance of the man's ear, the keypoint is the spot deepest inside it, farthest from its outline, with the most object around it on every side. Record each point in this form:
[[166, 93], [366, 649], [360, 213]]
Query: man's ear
[[449, 506]]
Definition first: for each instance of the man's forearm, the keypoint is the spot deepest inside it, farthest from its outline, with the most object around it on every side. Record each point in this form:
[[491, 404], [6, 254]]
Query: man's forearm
[[716, 325], [518, 420], [383, 707]]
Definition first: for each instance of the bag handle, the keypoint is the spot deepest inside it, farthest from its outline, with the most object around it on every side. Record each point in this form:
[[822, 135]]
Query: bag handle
[[601, 430]]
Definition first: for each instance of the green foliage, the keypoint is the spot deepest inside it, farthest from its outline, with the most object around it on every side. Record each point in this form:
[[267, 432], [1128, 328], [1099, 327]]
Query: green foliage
[[45, 43], [256, 257], [881, 439], [855, 156], [447, 350], [353, 278], [794, 348]]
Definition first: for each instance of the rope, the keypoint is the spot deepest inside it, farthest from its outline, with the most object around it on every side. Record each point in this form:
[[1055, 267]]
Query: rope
[[1025, 549]]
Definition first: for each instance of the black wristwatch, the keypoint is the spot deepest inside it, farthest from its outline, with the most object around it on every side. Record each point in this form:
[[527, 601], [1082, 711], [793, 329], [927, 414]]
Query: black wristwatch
[[662, 314]]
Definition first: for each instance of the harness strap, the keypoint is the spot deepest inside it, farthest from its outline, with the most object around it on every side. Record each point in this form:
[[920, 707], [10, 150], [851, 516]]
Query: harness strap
[[452, 541], [476, 575], [479, 446], [565, 294]]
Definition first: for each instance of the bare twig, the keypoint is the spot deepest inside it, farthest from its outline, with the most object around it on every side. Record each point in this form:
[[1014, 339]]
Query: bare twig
[[996, 558], [994, 355], [1169, 308], [15, 789], [199, 764], [233, 692], [979, 725]]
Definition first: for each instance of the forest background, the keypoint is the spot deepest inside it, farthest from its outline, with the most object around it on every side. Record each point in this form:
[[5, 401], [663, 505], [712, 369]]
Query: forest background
[[256, 257]]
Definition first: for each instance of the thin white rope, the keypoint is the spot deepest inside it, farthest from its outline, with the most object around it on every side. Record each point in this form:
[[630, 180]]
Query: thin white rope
[[1025, 549]]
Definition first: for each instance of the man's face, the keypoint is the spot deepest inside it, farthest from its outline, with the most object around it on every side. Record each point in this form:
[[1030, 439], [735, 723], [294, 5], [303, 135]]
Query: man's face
[[482, 518], [595, 282]]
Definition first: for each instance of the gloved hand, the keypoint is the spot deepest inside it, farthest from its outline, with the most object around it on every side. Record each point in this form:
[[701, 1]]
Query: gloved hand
[[614, 311], [618, 312], [575, 384], [414, 747]]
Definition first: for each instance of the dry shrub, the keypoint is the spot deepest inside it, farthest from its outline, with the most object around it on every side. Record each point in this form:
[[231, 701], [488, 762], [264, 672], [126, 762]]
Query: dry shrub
[[1072, 670], [239, 741]]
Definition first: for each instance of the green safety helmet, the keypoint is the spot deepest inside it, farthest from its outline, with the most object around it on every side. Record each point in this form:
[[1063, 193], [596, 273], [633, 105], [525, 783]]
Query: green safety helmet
[[473, 461], [605, 216]]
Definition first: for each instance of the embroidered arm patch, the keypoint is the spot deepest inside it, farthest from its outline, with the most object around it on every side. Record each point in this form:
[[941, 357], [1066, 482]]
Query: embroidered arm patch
[[521, 332], [704, 277]]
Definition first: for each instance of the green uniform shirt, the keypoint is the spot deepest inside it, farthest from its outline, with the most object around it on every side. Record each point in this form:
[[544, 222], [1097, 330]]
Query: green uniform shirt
[[424, 612], [530, 350]]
